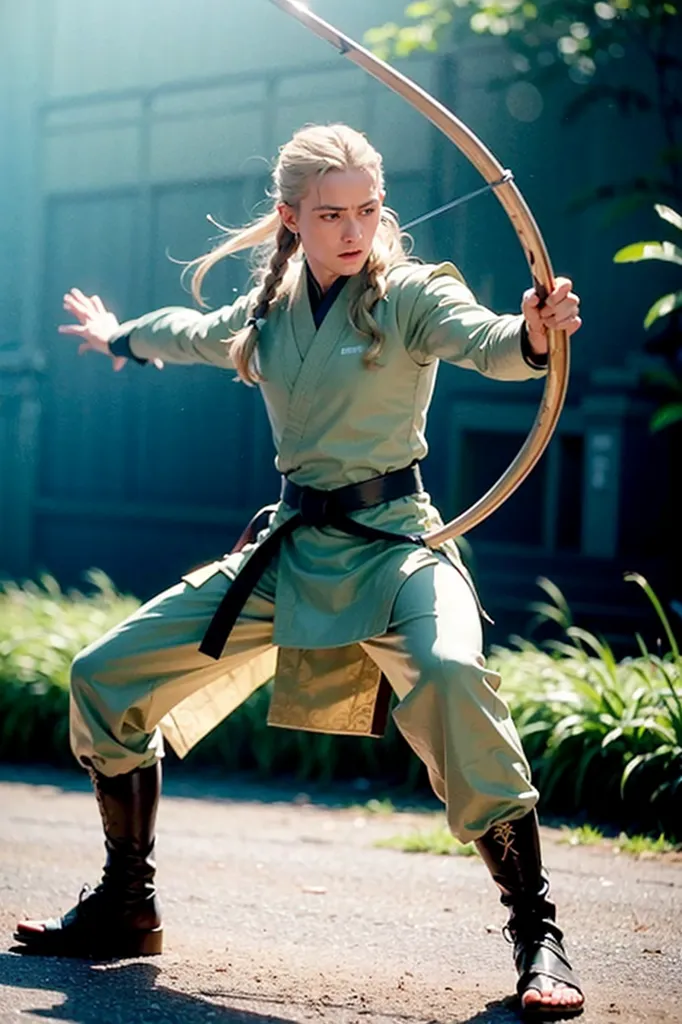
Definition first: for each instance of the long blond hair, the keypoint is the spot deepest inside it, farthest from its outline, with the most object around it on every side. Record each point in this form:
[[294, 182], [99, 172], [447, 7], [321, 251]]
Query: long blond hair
[[309, 155]]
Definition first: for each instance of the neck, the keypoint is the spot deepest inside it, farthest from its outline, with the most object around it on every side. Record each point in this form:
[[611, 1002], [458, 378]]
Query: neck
[[324, 278]]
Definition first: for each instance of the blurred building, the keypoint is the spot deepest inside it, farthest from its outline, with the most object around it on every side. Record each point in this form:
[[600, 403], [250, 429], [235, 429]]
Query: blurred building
[[121, 126]]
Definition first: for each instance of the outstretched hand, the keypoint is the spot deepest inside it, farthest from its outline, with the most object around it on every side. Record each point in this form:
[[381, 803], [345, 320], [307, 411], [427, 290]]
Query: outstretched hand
[[559, 312], [95, 325]]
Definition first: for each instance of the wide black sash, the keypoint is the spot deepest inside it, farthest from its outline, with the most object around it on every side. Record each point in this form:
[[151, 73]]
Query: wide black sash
[[312, 508]]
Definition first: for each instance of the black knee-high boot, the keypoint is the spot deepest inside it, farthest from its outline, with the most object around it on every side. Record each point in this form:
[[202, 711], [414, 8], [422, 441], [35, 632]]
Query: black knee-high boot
[[511, 851], [121, 916]]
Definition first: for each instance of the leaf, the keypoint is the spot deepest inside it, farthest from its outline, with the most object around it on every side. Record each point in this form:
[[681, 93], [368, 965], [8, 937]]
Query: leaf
[[631, 767], [583, 767], [667, 213], [602, 651], [664, 378], [644, 651], [553, 591], [639, 251], [666, 416], [612, 736], [662, 307], [641, 581], [420, 9]]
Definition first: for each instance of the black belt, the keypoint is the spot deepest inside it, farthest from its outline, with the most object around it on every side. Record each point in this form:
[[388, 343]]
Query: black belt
[[313, 508]]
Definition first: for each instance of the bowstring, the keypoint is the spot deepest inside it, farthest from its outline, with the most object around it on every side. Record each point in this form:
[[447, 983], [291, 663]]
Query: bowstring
[[504, 180]]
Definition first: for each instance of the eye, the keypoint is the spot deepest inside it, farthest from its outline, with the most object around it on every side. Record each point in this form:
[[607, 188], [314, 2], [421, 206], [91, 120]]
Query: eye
[[369, 210], [329, 216]]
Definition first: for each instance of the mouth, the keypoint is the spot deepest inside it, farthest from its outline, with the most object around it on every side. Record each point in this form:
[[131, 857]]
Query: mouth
[[353, 255]]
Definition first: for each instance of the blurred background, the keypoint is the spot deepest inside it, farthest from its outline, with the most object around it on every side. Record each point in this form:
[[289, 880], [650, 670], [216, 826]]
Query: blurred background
[[123, 125]]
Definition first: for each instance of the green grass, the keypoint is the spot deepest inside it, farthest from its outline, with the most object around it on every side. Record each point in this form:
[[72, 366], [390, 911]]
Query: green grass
[[582, 835], [604, 736], [381, 808], [437, 840], [635, 846], [638, 845], [440, 842]]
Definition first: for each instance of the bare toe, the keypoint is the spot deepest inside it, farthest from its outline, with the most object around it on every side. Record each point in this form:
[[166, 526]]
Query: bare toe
[[552, 994]]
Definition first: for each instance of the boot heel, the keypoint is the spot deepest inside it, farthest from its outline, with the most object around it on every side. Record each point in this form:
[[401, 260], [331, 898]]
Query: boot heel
[[149, 943]]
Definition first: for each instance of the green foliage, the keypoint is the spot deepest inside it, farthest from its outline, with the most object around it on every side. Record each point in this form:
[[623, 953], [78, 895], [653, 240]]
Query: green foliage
[[638, 845], [437, 840], [583, 835], [639, 251], [670, 380], [584, 41], [41, 630], [574, 36], [383, 808], [604, 737]]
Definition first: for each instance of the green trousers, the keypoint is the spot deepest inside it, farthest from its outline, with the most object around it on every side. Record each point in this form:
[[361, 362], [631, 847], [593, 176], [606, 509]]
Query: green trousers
[[126, 685]]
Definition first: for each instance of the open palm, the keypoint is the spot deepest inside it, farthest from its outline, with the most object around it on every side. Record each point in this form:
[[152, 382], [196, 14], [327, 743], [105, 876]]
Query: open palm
[[95, 324]]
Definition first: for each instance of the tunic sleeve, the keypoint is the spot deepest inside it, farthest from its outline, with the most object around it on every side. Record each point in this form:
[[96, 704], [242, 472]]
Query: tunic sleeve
[[446, 322], [179, 335]]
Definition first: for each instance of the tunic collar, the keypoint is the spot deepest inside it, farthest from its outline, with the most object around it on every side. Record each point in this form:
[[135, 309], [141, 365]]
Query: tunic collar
[[321, 302]]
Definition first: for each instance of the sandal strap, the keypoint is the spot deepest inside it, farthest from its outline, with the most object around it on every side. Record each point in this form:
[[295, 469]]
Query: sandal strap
[[544, 955]]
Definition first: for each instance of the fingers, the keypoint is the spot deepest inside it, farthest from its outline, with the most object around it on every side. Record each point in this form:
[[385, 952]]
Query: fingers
[[83, 306], [79, 329], [562, 286], [559, 312], [565, 313], [76, 298], [570, 326], [561, 309], [77, 307]]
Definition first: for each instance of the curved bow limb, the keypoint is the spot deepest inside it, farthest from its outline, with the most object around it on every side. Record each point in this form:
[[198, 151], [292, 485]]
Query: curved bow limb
[[529, 236]]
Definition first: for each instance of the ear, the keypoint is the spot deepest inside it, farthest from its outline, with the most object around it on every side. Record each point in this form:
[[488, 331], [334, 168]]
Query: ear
[[288, 217]]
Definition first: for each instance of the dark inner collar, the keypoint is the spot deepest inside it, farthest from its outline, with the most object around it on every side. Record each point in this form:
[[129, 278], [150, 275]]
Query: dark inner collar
[[321, 302]]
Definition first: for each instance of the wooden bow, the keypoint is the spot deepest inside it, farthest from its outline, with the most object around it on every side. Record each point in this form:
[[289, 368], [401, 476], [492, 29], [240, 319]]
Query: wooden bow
[[528, 234]]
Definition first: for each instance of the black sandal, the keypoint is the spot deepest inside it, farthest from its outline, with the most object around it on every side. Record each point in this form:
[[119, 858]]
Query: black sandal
[[542, 955]]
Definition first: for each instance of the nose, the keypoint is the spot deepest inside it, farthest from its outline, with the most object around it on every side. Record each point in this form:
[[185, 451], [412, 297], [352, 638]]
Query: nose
[[352, 230]]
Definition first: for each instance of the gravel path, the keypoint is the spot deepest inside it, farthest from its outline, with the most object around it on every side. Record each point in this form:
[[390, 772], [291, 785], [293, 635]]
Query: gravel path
[[282, 910]]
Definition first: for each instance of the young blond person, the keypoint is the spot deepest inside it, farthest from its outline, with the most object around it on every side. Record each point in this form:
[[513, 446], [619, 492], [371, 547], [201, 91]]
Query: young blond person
[[335, 594]]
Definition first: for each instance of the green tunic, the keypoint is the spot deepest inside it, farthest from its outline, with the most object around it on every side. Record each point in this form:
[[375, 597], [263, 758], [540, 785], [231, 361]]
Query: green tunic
[[335, 422]]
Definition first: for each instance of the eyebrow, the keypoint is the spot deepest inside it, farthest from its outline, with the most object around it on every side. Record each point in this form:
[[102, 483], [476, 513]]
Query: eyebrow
[[327, 206]]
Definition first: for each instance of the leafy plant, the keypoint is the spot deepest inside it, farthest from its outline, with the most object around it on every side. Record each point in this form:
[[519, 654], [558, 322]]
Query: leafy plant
[[670, 379], [584, 41], [41, 630], [605, 737]]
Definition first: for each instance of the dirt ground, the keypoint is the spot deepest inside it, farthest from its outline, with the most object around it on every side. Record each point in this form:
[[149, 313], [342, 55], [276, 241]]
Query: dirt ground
[[280, 909]]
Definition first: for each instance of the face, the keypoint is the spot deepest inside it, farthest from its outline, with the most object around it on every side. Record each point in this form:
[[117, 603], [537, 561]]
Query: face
[[337, 221]]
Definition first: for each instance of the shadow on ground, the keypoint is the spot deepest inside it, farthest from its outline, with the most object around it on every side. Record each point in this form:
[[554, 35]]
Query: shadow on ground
[[134, 993], [190, 784]]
